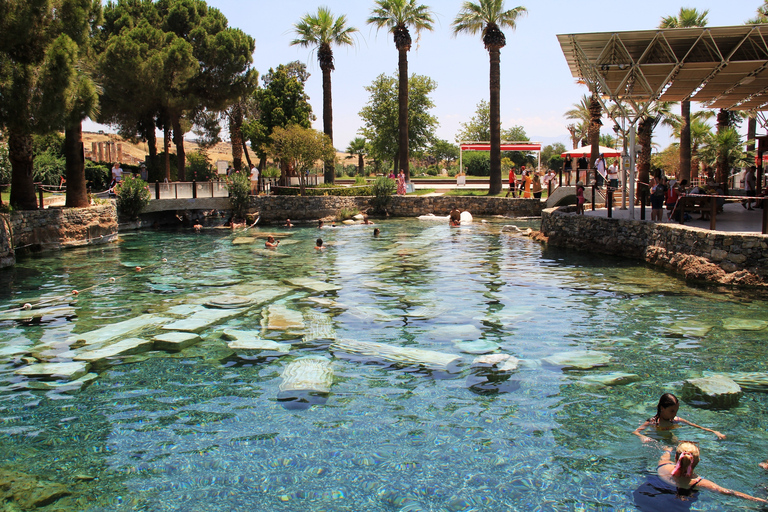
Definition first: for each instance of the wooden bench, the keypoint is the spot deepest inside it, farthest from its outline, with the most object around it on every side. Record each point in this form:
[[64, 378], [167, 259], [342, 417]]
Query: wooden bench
[[702, 205]]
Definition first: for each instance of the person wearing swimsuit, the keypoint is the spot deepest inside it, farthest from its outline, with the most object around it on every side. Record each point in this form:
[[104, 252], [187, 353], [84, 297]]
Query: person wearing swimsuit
[[681, 473], [666, 418]]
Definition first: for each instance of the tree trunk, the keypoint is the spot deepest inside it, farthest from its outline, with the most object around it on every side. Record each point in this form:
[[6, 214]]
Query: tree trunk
[[151, 137], [236, 135], [402, 117], [178, 140], [644, 136], [328, 166], [685, 140], [77, 192], [167, 149], [245, 152], [360, 164], [723, 119], [595, 113], [495, 89], [22, 176]]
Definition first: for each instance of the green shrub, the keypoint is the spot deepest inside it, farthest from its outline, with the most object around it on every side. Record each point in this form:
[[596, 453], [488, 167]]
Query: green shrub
[[383, 188], [49, 167], [345, 214], [452, 172], [156, 167], [199, 167], [98, 177], [432, 171], [239, 184], [132, 196], [271, 172], [360, 181], [477, 163]]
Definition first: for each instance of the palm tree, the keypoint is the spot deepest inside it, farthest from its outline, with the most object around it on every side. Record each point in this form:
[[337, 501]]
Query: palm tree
[[700, 131], [660, 113], [580, 112], [686, 18], [724, 148], [398, 16], [489, 17], [762, 14], [358, 147], [321, 31]]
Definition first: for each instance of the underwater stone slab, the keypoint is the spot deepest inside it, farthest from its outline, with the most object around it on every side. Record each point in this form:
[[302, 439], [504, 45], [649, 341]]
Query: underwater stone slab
[[613, 379], [311, 373], [54, 371], [271, 253], [175, 341], [498, 362], [30, 314], [477, 347], [202, 319], [229, 302], [243, 240], [744, 324], [716, 391], [247, 341], [184, 310], [69, 387], [751, 381], [400, 355], [313, 284], [128, 346], [691, 328], [116, 330], [281, 318], [578, 359], [268, 294]]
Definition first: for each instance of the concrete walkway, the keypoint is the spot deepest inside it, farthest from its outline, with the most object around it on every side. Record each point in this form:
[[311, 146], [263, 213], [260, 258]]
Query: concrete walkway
[[734, 219]]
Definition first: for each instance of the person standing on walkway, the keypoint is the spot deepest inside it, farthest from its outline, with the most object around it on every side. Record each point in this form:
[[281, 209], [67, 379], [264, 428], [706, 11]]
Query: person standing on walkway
[[401, 183], [601, 175], [613, 175], [536, 186], [512, 180], [749, 187], [567, 168], [527, 181]]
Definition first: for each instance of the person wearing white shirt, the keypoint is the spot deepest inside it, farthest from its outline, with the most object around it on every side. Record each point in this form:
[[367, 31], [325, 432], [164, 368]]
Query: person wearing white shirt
[[254, 179], [613, 175]]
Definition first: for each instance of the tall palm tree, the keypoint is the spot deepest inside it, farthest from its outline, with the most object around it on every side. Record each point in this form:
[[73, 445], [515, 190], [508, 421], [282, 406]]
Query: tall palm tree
[[321, 31], [686, 18], [661, 112], [489, 17], [398, 16]]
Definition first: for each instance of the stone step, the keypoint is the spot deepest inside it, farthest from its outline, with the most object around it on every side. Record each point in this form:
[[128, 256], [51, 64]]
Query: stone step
[[128, 346]]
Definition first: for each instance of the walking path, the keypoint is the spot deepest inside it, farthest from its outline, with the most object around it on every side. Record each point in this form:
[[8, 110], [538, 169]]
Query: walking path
[[734, 219]]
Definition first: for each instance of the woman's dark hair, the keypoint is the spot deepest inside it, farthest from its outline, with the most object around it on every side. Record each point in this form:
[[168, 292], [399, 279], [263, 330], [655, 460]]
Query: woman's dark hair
[[319, 242], [666, 400]]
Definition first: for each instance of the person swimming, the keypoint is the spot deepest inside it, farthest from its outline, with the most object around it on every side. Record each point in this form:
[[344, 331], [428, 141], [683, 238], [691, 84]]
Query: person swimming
[[319, 244], [666, 418], [271, 243]]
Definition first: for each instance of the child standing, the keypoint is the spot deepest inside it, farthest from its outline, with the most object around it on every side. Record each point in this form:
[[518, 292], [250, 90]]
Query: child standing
[[666, 418], [580, 198]]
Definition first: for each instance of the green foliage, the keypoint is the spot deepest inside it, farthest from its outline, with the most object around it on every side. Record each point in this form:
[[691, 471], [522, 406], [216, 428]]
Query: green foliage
[[132, 197], [5, 163], [301, 148], [432, 171], [239, 185], [97, 177], [346, 213], [443, 151], [550, 155], [271, 172], [199, 167], [327, 189], [49, 168], [360, 181], [478, 128], [49, 143], [380, 116], [382, 189], [281, 102], [727, 145], [477, 163]]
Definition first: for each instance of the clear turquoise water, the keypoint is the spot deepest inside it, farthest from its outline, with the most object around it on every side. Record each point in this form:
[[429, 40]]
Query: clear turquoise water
[[203, 429]]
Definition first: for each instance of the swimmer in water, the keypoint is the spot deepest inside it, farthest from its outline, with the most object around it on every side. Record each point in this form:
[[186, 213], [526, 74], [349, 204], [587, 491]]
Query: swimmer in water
[[271, 243], [666, 418], [319, 244]]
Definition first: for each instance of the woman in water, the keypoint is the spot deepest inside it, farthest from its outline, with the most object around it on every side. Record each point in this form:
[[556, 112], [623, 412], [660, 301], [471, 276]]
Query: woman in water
[[681, 473], [666, 418]]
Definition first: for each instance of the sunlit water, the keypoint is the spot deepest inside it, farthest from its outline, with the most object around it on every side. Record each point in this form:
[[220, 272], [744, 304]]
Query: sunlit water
[[203, 430]]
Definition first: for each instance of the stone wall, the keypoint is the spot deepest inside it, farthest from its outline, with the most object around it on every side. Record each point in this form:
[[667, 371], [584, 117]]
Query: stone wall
[[728, 258], [277, 208], [7, 257], [55, 228]]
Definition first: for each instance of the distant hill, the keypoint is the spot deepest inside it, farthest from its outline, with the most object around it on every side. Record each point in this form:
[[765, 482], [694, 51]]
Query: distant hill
[[135, 153]]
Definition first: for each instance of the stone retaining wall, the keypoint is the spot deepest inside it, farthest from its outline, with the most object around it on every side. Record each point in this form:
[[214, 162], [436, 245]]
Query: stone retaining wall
[[55, 228], [277, 208], [7, 257], [728, 258]]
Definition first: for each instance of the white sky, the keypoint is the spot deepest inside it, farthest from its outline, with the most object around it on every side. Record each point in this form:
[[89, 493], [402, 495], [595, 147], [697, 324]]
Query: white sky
[[536, 85]]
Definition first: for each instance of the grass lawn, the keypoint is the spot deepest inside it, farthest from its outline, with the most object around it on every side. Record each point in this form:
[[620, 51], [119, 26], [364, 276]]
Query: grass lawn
[[421, 192]]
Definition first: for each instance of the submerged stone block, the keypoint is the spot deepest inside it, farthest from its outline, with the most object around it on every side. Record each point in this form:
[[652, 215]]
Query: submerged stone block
[[128, 346], [717, 391], [281, 318], [175, 341], [613, 379], [68, 387], [313, 284], [202, 319], [578, 359], [497, 362], [751, 381], [403, 356], [116, 330], [55, 371], [311, 373], [247, 342]]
